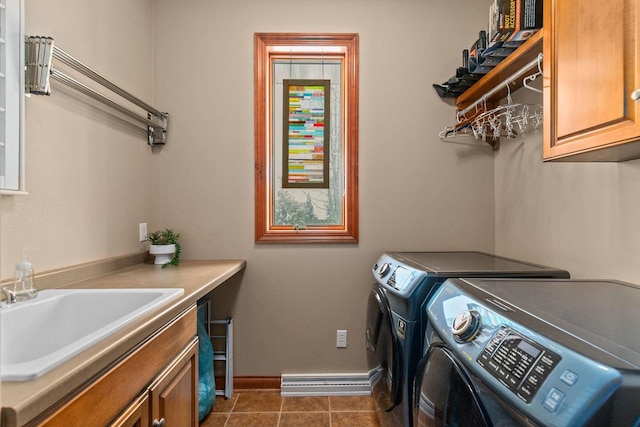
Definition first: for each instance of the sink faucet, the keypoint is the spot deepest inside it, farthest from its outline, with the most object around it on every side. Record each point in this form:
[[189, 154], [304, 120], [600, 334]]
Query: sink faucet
[[9, 295]]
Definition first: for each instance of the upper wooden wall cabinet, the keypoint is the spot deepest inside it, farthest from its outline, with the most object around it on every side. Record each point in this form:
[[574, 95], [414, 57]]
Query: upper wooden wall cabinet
[[591, 67]]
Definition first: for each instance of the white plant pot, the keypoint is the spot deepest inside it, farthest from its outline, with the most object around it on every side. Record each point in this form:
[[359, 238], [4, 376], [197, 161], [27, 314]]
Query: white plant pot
[[163, 253]]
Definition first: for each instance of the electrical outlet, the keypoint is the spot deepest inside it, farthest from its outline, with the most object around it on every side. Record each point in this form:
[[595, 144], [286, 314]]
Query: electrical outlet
[[142, 231], [341, 338]]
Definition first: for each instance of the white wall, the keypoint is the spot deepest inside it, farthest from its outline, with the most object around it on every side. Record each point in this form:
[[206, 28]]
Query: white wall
[[416, 192], [584, 217], [88, 173]]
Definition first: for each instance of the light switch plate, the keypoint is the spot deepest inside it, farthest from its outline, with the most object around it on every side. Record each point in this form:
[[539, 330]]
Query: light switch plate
[[142, 231]]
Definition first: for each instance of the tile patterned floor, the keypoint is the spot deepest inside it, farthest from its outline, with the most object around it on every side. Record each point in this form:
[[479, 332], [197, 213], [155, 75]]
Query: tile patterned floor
[[268, 409]]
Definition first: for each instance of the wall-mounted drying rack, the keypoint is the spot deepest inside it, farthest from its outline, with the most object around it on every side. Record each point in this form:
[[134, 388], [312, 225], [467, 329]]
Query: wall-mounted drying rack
[[39, 52], [505, 78]]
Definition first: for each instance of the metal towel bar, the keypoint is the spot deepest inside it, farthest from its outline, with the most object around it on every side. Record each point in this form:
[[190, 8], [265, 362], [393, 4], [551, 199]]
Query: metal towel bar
[[40, 50]]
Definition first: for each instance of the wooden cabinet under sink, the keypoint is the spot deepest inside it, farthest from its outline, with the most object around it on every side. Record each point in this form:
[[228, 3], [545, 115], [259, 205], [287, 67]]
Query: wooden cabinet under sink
[[156, 384]]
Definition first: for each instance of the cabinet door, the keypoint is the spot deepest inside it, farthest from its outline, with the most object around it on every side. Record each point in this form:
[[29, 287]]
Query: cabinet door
[[591, 68], [136, 415], [174, 396]]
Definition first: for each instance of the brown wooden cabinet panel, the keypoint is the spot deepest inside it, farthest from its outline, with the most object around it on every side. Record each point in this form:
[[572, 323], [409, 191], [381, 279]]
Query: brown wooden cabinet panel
[[174, 397], [137, 415], [591, 68]]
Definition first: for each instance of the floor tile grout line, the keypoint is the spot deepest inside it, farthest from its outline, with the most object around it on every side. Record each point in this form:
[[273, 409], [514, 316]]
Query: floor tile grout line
[[235, 402], [281, 408]]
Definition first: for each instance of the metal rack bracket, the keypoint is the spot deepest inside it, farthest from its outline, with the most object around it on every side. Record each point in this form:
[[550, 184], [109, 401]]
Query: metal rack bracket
[[225, 355], [39, 52]]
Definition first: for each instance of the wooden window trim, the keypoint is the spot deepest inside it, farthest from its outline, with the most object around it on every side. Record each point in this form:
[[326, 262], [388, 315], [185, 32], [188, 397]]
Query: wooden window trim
[[348, 231]]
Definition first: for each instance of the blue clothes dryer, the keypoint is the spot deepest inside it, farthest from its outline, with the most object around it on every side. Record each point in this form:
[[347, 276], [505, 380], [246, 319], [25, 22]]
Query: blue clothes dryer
[[396, 321], [530, 352]]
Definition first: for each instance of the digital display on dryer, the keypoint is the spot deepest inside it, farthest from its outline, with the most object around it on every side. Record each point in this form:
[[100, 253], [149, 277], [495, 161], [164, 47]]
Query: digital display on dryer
[[517, 362], [528, 348], [400, 277]]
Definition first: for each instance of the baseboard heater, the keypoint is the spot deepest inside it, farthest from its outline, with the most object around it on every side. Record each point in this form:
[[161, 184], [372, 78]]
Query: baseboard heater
[[325, 385]]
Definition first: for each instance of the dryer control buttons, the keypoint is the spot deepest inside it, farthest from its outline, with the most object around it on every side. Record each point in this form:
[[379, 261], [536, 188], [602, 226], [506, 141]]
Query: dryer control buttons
[[384, 269], [553, 400], [517, 362], [569, 377], [466, 325]]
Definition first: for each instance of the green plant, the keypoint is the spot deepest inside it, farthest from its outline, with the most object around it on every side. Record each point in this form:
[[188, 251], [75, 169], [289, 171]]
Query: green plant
[[166, 237]]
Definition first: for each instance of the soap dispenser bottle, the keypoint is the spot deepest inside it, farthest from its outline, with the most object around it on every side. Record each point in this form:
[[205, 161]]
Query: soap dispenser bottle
[[23, 285]]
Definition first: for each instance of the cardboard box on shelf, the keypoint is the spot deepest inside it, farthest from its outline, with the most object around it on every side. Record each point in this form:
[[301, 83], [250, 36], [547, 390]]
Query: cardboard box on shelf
[[528, 20], [513, 21], [502, 18]]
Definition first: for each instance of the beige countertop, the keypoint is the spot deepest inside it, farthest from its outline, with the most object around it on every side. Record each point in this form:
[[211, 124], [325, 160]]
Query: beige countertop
[[24, 400]]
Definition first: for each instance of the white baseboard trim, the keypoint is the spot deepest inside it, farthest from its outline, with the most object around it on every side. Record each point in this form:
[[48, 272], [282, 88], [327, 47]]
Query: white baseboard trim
[[325, 385]]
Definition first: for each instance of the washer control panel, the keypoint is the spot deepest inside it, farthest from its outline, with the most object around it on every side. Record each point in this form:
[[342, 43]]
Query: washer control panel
[[517, 362]]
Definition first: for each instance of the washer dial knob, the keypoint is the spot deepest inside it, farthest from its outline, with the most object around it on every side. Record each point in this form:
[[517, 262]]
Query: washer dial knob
[[384, 269], [466, 325]]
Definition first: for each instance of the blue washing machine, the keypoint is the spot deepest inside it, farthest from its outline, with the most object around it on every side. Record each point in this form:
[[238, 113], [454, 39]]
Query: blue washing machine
[[396, 316], [534, 352]]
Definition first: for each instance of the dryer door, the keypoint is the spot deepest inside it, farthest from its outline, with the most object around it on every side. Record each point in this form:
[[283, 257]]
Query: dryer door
[[444, 394], [383, 352]]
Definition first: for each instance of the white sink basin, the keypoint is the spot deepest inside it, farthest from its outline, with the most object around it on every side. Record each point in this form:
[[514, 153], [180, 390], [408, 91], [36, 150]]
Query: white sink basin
[[39, 334]]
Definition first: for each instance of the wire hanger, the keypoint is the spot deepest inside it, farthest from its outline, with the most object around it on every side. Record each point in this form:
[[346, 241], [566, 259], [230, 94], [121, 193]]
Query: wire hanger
[[531, 78]]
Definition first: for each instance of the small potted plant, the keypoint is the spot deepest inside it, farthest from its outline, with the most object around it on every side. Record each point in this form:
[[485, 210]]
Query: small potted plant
[[165, 247]]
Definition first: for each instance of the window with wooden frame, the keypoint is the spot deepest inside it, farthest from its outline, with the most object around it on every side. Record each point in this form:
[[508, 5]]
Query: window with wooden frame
[[306, 137]]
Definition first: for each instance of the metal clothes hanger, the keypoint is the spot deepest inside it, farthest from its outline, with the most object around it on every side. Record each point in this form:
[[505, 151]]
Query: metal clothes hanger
[[528, 79]]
